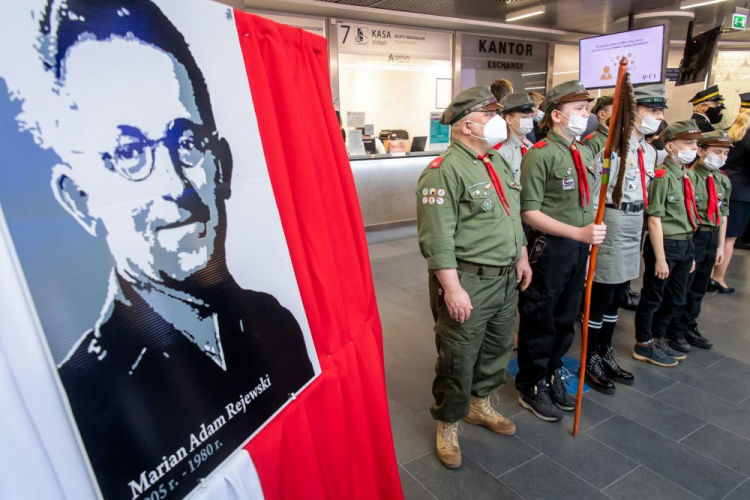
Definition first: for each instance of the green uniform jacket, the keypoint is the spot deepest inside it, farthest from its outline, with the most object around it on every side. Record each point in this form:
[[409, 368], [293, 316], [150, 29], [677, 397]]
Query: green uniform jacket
[[550, 181], [666, 198], [723, 190], [596, 140], [459, 214]]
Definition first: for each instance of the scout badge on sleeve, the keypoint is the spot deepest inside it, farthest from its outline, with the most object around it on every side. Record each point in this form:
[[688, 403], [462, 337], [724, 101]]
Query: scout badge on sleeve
[[618, 142]]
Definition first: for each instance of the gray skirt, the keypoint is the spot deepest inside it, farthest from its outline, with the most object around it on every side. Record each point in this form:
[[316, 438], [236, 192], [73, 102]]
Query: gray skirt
[[619, 255]]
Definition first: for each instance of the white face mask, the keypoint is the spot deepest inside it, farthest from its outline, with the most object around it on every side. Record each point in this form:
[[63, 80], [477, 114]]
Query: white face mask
[[686, 156], [713, 162], [525, 125], [576, 124], [495, 131], [647, 125], [539, 116]]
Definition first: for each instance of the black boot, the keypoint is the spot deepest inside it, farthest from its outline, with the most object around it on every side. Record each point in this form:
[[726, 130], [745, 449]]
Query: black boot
[[630, 300], [538, 402], [596, 377], [695, 337], [676, 338], [611, 368], [558, 392]]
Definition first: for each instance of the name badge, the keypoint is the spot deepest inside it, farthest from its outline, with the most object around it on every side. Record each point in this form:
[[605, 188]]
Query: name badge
[[568, 184]]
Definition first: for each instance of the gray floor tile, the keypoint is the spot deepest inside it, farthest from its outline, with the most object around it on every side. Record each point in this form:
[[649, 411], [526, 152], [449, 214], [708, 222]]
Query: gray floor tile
[[584, 456], [675, 462], [724, 447], [647, 381], [644, 484], [733, 390], [649, 412], [411, 488], [741, 493], [468, 481], [709, 408], [498, 454], [554, 482], [703, 357], [416, 350], [732, 368], [413, 435], [407, 387]]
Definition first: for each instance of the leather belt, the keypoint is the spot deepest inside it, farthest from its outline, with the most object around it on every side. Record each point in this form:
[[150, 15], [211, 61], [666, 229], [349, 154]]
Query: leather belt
[[679, 237], [708, 229], [628, 207], [481, 270]]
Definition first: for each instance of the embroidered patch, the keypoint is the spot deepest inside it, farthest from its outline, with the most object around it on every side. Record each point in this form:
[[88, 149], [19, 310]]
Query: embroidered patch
[[431, 200], [440, 201], [424, 201], [568, 184], [487, 205]]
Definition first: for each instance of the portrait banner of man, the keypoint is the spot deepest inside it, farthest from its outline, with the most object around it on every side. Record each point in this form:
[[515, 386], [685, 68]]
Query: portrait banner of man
[[140, 216]]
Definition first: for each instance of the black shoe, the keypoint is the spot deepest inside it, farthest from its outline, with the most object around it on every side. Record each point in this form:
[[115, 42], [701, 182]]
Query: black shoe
[[715, 286], [611, 368], [695, 337], [538, 402], [558, 391], [596, 377], [635, 295], [629, 302], [678, 343]]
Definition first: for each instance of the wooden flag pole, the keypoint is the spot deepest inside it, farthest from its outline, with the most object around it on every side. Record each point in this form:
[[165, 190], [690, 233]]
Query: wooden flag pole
[[614, 123]]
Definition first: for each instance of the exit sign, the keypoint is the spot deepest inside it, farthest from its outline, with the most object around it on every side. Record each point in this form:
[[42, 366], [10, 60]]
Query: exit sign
[[739, 21]]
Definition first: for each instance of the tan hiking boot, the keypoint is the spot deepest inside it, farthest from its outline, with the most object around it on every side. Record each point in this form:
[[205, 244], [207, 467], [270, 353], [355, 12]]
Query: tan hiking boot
[[481, 412], [448, 450]]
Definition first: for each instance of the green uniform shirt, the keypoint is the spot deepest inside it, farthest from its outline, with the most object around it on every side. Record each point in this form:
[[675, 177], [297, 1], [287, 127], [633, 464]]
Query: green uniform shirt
[[666, 198], [723, 190], [550, 181], [459, 214], [596, 140]]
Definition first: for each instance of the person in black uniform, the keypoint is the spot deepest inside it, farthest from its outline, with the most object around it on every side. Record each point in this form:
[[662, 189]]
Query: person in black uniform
[[707, 107], [181, 352]]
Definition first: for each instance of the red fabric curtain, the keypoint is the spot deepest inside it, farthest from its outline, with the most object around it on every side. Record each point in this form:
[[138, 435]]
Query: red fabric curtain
[[334, 441]]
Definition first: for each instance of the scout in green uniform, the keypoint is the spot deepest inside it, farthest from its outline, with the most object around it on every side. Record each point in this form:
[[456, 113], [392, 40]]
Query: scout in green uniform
[[557, 176], [707, 107], [712, 190], [469, 224], [518, 112], [619, 254], [597, 139], [668, 253]]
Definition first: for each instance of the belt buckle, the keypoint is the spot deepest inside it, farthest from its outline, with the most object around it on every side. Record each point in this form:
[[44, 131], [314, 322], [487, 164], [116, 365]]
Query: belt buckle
[[480, 270]]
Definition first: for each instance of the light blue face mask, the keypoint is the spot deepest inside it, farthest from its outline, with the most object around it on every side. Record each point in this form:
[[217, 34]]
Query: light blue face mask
[[539, 115]]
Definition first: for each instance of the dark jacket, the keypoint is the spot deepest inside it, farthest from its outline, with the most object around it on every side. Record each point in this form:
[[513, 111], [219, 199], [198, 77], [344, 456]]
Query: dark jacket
[[703, 123], [139, 388], [737, 169]]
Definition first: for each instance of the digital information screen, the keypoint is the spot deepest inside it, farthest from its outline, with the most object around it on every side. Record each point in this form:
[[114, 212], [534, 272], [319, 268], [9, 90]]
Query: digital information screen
[[600, 57]]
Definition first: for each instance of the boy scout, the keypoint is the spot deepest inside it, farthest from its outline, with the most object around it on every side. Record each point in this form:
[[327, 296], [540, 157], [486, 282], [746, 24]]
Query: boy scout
[[556, 201], [469, 224], [712, 190], [518, 112], [707, 107], [619, 254], [668, 252], [597, 139]]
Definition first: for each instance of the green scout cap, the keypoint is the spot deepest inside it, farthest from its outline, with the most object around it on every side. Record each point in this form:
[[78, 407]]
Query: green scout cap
[[711, 94], [652, 96], [565, 92], [604, 100], [716, 138], [470, 100], [686, 129], [517, 102]]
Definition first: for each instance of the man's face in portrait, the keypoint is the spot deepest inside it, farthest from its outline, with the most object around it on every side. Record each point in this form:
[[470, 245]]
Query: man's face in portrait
[[138, 165]]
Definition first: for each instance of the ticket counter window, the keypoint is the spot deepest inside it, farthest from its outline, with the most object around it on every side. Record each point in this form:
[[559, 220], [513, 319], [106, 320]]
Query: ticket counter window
[[393, 81], [486, 59]]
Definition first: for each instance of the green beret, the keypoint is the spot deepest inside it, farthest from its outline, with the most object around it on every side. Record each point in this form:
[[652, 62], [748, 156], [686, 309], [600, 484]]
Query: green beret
[[686, 129], [470, 100], [565, 92]]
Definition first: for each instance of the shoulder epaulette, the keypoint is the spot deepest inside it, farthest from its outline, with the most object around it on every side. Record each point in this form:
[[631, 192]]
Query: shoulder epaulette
[[539, 145], [498, 146], [436, 162], [590, 136], [660, 173]]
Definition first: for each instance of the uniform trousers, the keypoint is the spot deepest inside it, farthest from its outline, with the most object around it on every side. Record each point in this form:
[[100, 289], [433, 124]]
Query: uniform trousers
[[705, 244], [473, 356], [605, 304], [548, 308], [661, 299]]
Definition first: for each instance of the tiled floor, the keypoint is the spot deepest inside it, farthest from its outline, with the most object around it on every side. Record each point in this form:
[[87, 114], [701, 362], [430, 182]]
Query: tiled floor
[[680, 433]]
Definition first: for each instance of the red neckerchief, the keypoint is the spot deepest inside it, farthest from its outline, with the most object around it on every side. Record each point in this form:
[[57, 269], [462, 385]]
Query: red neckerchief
[[583, 181], [642, 168], [690, 205], [524, 150], [496, 181], [713, 203]]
